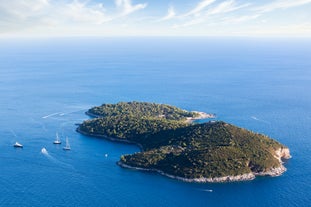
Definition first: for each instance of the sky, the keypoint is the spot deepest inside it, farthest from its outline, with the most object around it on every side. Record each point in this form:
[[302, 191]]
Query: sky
[[276, 18]]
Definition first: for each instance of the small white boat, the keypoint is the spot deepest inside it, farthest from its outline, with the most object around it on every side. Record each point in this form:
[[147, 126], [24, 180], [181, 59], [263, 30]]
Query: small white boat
[[67, 147], [44, 151], [57, 141], [18, 145]]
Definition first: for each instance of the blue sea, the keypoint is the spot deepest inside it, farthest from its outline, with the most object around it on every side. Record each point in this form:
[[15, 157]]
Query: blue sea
[[47, 84]]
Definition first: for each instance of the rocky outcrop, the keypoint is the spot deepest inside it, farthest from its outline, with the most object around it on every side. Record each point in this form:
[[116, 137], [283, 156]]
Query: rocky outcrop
[[243, 177], [282, 153], [277, 171], [201, 115]]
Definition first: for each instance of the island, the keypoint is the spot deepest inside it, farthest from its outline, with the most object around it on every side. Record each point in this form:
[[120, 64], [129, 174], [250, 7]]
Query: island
[[174, 145]]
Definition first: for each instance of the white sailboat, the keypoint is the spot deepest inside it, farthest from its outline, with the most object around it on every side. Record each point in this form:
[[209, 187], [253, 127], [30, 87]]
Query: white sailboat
[[18, 145], [57, 141], [67, 147]]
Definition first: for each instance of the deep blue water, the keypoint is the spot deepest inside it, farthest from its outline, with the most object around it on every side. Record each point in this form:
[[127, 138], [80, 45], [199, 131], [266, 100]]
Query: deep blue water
[[46, 85]]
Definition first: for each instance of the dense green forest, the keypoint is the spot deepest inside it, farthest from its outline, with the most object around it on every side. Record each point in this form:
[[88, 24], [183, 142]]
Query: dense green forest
[[128, 127], [141, 109], [206, 150], [175, 147]]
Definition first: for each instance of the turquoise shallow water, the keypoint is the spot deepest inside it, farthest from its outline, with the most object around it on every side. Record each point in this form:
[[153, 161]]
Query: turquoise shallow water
[[46, 85]]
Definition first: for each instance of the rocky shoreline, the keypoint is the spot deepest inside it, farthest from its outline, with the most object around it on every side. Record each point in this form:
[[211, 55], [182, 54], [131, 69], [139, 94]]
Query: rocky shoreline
[[273, 172], [244, 177]]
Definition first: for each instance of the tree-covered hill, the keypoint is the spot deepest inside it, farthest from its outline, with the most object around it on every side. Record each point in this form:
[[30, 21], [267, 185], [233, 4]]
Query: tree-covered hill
[[141, 109], [206, 150], [128, 127]]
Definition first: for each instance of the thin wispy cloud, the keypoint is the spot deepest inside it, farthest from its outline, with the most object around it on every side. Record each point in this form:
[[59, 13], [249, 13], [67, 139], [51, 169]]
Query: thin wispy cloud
[[83, 13], [199, 7], [22, 9], [127, 7], [170, 14], [282, 4], [215, 9], [226, 6]]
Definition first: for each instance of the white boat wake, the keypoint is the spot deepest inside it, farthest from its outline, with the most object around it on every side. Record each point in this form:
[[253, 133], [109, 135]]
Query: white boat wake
[[260, 120], [61, 114], [13, 133], [207, 190], [50, 115], [71, 112], [46, 153], [53, 159]]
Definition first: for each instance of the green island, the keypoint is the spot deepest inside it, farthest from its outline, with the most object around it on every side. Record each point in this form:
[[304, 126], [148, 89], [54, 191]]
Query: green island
[[175, 146]]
